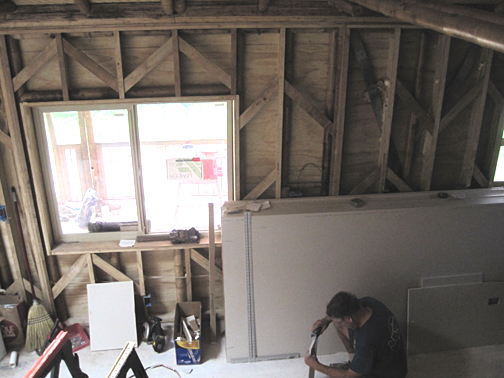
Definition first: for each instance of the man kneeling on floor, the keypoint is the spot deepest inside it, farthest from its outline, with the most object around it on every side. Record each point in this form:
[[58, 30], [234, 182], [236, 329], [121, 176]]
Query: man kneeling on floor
[[369, 329]]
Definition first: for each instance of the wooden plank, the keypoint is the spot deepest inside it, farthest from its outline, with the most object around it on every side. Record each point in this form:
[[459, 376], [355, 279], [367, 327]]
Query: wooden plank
[[203, 262], [397, 181], [29, 70], [37, 177], [119, 65], [176, 63], [262, 186], [167, 7], [69, 275], [206, 63], [307, 105], [480, 177], [264, 98], [367, 182], [413, 106], [495, 141], [180, 281], [388, 107], [280, 118], [63, 67], [211, 270], [5, 139], [461, 105], [90, 65], [188, 273], [140, 270], [148, 65], [234, 61], [343, 52], [430, 141], [109, 269], [234, 185], [468, 162], [90, 267], [27, 203], [27, 287]]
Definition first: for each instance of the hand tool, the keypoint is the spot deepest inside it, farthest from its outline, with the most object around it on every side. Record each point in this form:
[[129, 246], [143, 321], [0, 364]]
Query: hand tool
[[313, 347]]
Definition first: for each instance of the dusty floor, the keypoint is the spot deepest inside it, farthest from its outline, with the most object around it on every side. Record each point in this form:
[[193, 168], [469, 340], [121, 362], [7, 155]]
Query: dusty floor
[[481, 362]]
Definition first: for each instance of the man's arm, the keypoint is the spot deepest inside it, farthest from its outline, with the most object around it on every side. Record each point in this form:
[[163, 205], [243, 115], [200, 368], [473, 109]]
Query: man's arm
[[333, 372], [344, 337]]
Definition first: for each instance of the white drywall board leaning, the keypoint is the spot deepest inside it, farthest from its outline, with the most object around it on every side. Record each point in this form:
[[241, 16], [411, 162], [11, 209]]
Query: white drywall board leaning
[[112, 320], [306, 250]]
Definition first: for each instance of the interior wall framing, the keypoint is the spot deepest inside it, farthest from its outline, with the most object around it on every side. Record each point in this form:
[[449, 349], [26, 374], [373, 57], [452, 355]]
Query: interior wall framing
[[333, 108]]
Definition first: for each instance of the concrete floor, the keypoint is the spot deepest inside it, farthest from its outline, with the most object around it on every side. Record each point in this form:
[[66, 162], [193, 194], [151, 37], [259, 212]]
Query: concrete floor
[[481, 362]]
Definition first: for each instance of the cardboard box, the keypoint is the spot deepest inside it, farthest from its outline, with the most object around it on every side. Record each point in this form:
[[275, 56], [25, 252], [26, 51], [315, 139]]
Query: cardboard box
[[186, 352], [13, 326]]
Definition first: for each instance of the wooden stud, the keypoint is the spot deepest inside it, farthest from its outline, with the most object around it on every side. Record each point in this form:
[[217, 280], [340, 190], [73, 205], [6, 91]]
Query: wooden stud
[[188, 273], [176, 63], [180, 285], [84, 6], [262, 186], [140, 270], [118, 63], [280, 114], [90, 266], [388, 107], [25, 191], [211, 270], [63, 67], [264, 98], [234, 61], [343, 52], [69, 275], [167, 7]]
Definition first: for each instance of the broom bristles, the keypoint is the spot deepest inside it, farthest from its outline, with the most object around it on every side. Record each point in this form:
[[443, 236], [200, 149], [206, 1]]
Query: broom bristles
[[39, 325]]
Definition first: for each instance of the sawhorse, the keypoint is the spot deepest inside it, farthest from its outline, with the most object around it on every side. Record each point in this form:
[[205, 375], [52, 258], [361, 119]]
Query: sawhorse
[[49, 362], [128, 359]]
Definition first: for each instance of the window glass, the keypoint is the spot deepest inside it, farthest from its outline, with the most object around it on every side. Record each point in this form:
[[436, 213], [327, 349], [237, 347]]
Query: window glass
[[92, 170], [499, 171], [183, 148]]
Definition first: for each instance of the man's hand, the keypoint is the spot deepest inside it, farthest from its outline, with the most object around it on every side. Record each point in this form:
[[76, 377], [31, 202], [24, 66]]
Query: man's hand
[[310, 360], [322, 323]]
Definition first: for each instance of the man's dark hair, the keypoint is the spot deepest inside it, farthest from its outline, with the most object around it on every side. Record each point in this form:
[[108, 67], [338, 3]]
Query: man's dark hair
[[342, 304]]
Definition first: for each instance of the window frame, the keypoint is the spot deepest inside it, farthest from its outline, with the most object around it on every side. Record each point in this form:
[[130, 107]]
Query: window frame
[[32, 114]]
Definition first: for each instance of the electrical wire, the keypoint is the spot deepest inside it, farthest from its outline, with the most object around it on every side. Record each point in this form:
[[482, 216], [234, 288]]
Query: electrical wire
[[164, 366], [301, 171]]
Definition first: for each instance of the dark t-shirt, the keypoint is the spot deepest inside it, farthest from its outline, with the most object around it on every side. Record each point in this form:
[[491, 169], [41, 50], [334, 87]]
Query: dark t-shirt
[[379, 346]]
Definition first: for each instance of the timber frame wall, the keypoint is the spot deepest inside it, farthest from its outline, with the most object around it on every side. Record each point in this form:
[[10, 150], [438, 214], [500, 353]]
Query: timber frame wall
[[328, 105]]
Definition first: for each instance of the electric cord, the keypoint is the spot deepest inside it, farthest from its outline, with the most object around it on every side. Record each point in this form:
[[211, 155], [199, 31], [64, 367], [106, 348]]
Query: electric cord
[[164, 366]]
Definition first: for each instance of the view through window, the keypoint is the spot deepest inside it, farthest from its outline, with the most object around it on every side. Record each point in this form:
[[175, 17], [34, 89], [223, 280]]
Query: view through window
[[164, 162], [499, 171]]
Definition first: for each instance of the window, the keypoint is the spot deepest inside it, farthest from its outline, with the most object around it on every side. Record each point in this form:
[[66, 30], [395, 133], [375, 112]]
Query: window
[[135, 168], [499, 170]]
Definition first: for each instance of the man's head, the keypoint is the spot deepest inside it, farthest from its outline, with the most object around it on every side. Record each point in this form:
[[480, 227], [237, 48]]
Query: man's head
[[343, 305]]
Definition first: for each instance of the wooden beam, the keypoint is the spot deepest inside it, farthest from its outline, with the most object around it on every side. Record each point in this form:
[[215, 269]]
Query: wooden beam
[[25, 190], [90, 266], [430, 140], [148, 64], [263, 5], [343, 51], [206, 63], [140, 270], [5, 140], [109, 269], [176, 63], [367, 182], [180, 279], [414, 107], [351, 9], [7, 7], [234, 61], [41, 59], [280, 114], [63, 67], [307, 105], [84, 6], [480, 177], [211, 271], [90, 65], [262, 186], [69, 275], [397, 181], [167, 7], [119, 65], [469, 159], [203, 262], [264, 98], [497, 128], [188, 273], [461, 105], [388, 108], [180, 6]]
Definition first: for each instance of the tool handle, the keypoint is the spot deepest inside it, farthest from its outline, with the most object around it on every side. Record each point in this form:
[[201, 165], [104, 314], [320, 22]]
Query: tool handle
[[316, 332]]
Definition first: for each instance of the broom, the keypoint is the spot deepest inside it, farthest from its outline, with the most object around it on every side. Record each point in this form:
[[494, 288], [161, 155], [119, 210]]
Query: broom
[[39, 323]]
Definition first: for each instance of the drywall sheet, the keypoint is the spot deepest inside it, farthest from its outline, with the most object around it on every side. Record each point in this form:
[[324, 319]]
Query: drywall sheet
[[112, 320], [455, 317], [301, 259]]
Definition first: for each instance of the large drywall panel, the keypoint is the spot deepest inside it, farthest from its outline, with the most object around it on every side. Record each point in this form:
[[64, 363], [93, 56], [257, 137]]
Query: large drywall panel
[[455, 317], [306, 250], [112, 321]]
